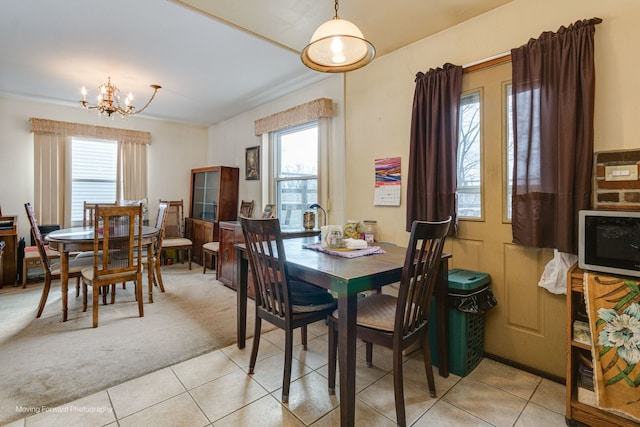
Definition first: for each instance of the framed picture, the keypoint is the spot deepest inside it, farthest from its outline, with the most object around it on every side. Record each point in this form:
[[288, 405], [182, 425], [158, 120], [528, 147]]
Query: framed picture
[[269, 211], [252, 163]]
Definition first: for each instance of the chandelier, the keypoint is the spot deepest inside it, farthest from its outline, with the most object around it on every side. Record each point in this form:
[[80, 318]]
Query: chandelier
[[109, 100], [337, 46]]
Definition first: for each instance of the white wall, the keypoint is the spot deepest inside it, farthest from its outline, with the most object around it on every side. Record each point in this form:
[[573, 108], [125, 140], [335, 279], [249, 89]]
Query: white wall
[[175, 149], [379, 97], [228, 140]]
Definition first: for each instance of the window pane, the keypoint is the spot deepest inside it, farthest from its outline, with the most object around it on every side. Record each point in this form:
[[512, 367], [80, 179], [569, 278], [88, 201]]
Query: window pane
[[509, 149], [469, 195], [296, 173], [93, 174]]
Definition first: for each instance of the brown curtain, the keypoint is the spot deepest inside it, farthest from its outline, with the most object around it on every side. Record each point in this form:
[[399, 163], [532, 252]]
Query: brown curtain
[[553, 98], [431, 187]]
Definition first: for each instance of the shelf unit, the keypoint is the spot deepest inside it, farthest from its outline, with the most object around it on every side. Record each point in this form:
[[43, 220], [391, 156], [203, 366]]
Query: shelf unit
[[577, 411], [213, 198]]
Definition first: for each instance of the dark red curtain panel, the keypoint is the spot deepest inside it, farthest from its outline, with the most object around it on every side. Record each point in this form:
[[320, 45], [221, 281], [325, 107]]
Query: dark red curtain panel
[[553, 98], [431, 187]]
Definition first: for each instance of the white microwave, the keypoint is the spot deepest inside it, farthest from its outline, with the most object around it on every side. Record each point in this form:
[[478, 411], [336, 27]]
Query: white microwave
[[609, 242]]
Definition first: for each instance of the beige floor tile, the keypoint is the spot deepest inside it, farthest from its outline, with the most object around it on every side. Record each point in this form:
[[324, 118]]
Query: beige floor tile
[[180, 410], [197, 371], [491, 404], [309, 398], [91, 410], [222, 396], [413, 371], [535, 415], [506, 378], [17, 423], [145, 391], [380, 396], [242, 356], [365, 416], [266, 412], [269, 372], [315, 355], [364, 376], [550, 395], [443, 414]]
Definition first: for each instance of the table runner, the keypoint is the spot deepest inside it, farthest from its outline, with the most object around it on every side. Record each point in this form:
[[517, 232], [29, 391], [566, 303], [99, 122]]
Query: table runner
[[614, 320], [346, 253]]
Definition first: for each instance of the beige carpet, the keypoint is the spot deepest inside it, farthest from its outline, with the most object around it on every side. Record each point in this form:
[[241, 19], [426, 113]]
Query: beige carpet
[[44, 362]]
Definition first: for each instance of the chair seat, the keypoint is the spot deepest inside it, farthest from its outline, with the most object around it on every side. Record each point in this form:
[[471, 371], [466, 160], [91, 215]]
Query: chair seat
[[211, 247], [377, 311], [175, 242]]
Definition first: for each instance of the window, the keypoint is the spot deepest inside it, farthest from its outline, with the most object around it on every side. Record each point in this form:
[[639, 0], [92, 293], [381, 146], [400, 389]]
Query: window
[[296, 173], [509, 151], [468, 168], [93, 174]]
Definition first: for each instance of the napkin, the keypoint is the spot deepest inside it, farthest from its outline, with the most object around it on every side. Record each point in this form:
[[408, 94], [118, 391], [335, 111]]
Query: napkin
[[355, 243]]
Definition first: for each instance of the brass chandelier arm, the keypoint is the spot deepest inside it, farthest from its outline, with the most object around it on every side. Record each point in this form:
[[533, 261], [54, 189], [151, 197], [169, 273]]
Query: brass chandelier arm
[[153, 95]]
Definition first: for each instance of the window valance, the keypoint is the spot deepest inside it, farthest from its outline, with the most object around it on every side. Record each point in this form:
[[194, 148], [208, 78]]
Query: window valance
[[321, 107], [54, 127]]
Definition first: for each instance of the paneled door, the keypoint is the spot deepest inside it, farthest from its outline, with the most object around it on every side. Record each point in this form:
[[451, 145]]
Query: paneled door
[[527, 326]]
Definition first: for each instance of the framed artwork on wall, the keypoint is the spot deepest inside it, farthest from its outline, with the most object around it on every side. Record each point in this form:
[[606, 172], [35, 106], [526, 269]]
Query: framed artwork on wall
[[269, 211], [252, 163]]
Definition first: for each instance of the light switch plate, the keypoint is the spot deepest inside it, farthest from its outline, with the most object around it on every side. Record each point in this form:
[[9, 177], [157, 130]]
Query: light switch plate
[[621, 173]]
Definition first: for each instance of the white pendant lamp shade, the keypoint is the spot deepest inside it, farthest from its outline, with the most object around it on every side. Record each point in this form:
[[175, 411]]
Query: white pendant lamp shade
[[337, 46]]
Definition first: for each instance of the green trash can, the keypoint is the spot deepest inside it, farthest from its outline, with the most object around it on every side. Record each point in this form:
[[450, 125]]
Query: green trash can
[[468, 299]]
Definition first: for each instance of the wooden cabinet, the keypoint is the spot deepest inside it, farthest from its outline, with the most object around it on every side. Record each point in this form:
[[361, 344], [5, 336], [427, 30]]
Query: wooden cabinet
[[213, 198], [579, 407], [9, 235]]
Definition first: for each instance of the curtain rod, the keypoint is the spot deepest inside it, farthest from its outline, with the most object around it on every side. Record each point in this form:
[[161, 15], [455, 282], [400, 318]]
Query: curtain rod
[[487, 62]]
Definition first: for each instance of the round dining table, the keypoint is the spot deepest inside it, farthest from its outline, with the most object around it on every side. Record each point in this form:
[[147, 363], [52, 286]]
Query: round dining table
[[80, 239]]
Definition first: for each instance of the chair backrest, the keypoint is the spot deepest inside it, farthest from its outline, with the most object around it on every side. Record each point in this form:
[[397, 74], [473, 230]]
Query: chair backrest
[[268, 264], [37, 236], [89, 212], [246, 209], [175, 220], [120, 250], [161, 225], [419, 275]]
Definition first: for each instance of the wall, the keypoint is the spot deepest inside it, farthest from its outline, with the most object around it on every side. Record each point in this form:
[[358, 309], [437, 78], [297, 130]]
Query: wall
[[228, 141], [614, 194], [379, 97], [175, 149]]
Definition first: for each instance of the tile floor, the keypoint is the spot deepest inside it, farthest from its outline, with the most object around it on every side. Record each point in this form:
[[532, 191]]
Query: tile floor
[[214, 389]]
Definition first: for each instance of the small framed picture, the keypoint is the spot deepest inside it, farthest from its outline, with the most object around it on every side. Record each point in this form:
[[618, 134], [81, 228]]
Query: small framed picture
[[269, 211], [252, 163]]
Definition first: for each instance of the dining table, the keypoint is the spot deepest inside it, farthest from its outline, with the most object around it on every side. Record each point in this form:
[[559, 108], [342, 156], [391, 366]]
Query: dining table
[[347, 278], [80, 239]]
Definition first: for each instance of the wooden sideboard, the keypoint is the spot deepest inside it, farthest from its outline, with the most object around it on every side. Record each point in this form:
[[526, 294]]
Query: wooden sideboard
[[9, 235]]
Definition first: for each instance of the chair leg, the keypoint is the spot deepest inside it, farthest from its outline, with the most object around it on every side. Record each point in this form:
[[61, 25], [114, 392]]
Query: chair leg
[[333, 354], [138, 289], [189, 255], [398, 387], [96, 291], [45, 294], [303, 332], [204, 261], [256, 344], [288, 360], [77, 287], [428, 367], [84, 296], [158, 276], [369, 352]]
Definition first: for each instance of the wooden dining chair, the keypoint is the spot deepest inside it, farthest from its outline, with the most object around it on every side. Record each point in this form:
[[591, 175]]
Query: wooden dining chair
[[117, 253], [174, 234], [287, 304], [89, 212], [161, 225], [398, 322], [51, 271]]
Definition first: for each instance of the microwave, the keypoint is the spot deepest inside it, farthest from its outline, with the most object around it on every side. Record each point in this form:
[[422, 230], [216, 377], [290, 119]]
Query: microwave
[[609, 242]]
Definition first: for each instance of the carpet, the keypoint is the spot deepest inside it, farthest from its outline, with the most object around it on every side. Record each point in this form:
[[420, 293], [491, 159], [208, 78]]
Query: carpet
[[45, 362], [613, 305]]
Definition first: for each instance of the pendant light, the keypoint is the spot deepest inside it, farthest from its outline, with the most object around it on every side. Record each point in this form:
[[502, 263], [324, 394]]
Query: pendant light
[[337, 46]]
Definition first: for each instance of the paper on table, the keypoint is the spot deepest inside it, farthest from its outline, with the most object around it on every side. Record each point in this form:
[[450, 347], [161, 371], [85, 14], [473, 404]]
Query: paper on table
[[355, 243]]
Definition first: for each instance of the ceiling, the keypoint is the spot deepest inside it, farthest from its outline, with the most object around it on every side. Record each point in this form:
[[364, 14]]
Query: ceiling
[[213, 59]]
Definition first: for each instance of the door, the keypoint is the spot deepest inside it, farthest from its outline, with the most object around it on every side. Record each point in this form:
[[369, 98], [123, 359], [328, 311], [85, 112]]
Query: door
[[527, 326]]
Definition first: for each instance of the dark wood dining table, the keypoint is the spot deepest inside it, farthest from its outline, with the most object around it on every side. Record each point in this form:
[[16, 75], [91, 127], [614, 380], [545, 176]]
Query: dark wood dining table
[[347, 277], [80, 239]]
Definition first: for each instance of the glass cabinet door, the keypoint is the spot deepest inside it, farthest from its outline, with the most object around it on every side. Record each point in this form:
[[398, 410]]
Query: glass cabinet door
[[206, 186]]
